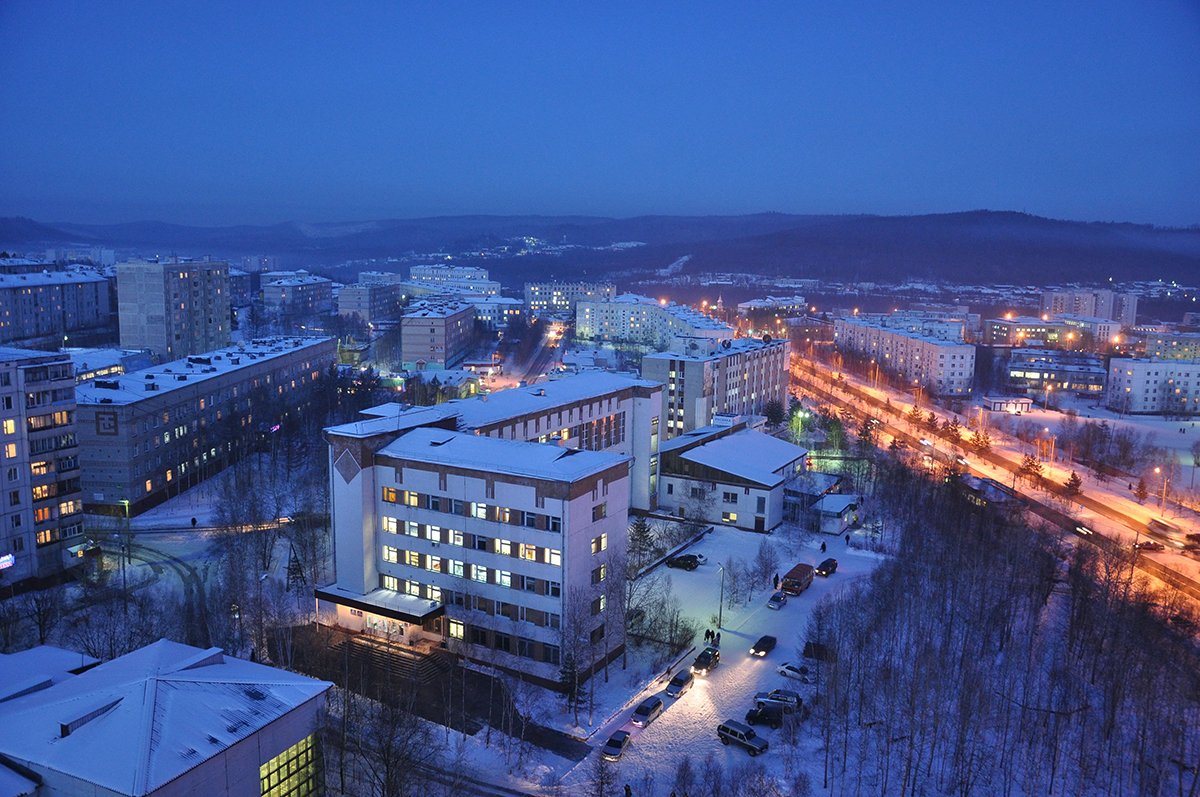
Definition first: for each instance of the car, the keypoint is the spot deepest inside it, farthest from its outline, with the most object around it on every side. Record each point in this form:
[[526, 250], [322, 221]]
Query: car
[[763, 646], [1083, 531], [682, 682], [1148, 545], [783, 697], [925, 442], [767, 713], [647, 712], [961, 461], [701, 558], [734, 732], [799, 672], [685, 562], [615, 746], [777, 600], [706, 662], [827, 568]]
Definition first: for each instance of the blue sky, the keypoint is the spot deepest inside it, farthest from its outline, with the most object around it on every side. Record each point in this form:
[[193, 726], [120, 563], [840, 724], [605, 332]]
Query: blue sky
[[207, 113]]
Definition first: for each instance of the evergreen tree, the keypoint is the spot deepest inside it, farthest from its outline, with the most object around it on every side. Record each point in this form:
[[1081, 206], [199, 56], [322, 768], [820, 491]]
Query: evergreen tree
[[641, 541], [1142, 492], [1073, 485], [914, 415], [982, 441], [1031, 469], [953, 431], [775, 412]]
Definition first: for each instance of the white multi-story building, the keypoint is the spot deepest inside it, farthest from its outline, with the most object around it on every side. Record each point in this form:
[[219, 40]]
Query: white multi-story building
[[441, 273], [38, 307], [705, 377], [561, 297], [41, 511], [174, 308], [1149, 386], [499, 549], [1091, 332], [446, 284], [1119, 307], [494, 312], [300, 296], [946, 367], [640, 320]]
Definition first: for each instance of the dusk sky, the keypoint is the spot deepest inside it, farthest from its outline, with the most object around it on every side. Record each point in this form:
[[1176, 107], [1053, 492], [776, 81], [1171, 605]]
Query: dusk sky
[[206, 113]]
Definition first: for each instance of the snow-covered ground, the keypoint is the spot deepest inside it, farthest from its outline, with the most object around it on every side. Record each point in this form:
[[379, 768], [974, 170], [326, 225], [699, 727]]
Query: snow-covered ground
[[688, 725]]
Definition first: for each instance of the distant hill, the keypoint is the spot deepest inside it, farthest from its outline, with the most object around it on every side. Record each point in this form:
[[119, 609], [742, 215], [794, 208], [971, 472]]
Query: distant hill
[[971, 246]]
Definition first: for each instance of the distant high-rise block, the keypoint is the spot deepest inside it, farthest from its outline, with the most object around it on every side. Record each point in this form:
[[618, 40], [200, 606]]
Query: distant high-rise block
[[174, 309]]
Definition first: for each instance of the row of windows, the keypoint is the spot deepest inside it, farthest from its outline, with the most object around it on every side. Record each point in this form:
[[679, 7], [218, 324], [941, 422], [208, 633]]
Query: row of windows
[[477, 542], [516, 581], [520, 646], [475, 509]]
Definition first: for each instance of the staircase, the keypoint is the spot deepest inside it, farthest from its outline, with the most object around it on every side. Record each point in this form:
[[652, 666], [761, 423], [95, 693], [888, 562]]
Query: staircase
[[400, 663]]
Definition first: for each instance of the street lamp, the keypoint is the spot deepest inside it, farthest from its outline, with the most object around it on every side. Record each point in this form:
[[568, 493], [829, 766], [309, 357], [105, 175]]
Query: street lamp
[[1166, 480], [1046, 400], [721, 605]]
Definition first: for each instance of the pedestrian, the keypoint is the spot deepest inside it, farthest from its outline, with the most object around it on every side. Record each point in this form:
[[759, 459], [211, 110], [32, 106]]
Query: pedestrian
[[717, 639], [847, 539], [628, 791], [775, 582], [822, 546]]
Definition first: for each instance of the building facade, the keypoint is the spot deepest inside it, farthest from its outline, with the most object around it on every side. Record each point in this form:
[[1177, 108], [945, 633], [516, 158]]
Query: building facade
[[561, 297], [640, 320], [1030, 371], [47, 307], [41, 512], [499, 549], [1153, 387], [494, 312], [1119, 307], [174, 309], [299, 297], [436, 334], [371, 302], [1173, 345], [943, 366], [151, 434], [1024, 331], [705, 377]]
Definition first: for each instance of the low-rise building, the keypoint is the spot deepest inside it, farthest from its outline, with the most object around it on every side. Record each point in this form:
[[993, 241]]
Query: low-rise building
[[441, 273], [1030, 371], [372, 302], [947, 367], [640, 320], [41, 513], [167, 719], [494, 312], [542, 298], [1089, 333], [92, 364], [299, 297], [1147, 386], [728, 475], [436, 334], [1024, 331], [705, 377], [150, 434], [498, 549], [47, 307]]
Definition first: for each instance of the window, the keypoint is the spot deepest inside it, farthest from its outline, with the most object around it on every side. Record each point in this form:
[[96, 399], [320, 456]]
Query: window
[[41, 514], [599, 574], [599, 511], [434, 593], [555, 524], [525, 647], [435, 503], [729, 498], [292, 773], [670, 488], [455, 567], [412, 588], [598, 606], [597, 634], [433, 563], [481, 542], [410, 498], [390, 582], [761, 504], [454, 537], [599, 544], [433, 533], [391, 495], [554, 589], [456, 629], [698, 493], [412, 528], [14, 498], [478, 510], [479, 573], [554, 557], [729, 517], [391, 554], [529, 552], [551, 654], [504, 547], [10, 426], [10, 450], [504, 578], [530, 518], [391, 525], [412, 558]]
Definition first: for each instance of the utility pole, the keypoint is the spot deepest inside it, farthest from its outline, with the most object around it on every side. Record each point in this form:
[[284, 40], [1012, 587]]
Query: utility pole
[[721, 605]]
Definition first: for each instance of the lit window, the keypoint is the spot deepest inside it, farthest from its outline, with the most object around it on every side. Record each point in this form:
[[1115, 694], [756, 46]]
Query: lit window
[[390, 582], [391, 525], [10, 426], [553, 557], [391, 554], [291, 773], [729, 517], [478, 510], [390, 495], [412, 558], [504, 547], [528, 552], [456, 629]]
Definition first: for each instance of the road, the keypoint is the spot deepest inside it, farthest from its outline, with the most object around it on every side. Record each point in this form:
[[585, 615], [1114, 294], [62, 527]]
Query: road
[[862, 405]]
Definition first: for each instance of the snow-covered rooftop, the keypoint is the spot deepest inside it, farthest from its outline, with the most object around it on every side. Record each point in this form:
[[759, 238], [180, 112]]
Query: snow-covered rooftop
[[137, 722], [747, 454], [131, 387], [48, 278], [15, 785], [38, 666], [10, 353], [719, 349], [535, 460]]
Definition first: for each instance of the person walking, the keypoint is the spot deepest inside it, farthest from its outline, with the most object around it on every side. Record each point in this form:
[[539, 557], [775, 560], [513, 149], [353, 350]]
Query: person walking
[[775, 582], [822, 546], [847, 539], [717, 639]]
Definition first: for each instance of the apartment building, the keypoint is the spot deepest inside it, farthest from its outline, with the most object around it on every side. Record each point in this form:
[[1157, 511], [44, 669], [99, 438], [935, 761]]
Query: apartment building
[[706, 377], [372, 302], [1172, 345], [163, 721], [436, 334], [241, 288], [640, 320], [299, 297], [1089, 333], [494, 312], [41, 511], [499, 549], [46, 307], [561, 297], [150, 434], [1024, 331], [946, 367], [174, 308], [1153, 387], [1031, 371], [1119, 307], [92, 364]]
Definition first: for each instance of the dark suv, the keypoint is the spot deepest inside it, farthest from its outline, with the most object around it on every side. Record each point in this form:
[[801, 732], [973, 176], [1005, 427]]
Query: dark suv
[[685, 562], [826, 568], [767, 713], [706, 662]]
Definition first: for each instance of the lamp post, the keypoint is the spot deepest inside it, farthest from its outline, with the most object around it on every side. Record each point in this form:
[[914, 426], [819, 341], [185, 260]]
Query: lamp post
[[1046, 394], [125, 555], [721, 604], [1166, 480]]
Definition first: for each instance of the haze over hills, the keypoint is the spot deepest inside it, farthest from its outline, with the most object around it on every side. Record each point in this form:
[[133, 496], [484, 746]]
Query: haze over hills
[[974, 246]]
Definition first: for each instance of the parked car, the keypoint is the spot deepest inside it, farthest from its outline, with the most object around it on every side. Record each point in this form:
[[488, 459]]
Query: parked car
[[799, 672], [766, 713], [682, 682], [783, 697], [701, 558], [706, 662], [777, 600], [1083, 531], [734, 732], [763, 646], [648, 711], [798, 579], [615, 746], [685, 562], [827, 568], [1148, 545]]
